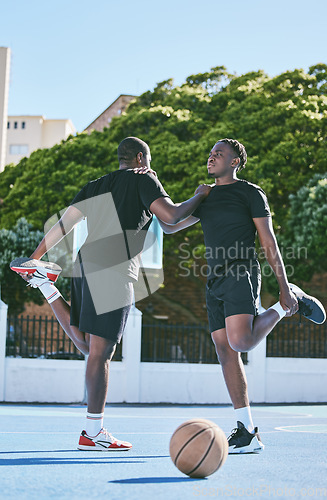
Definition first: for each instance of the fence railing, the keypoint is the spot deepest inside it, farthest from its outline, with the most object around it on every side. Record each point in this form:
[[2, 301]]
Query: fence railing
[[38, 337], [41, 337], [173, 343], [35, 337], [177, 344], [293, 339]]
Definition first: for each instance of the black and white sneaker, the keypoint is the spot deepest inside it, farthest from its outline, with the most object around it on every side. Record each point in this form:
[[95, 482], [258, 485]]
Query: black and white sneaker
[[243, 441], [309, 307]]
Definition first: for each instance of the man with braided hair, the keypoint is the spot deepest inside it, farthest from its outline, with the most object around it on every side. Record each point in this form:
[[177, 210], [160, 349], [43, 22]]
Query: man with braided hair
[[231, 215]]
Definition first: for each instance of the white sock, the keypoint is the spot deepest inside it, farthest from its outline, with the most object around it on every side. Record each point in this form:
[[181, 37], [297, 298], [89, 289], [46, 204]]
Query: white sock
[[278, 308], [50, 292], [244, 415], [94, 423]]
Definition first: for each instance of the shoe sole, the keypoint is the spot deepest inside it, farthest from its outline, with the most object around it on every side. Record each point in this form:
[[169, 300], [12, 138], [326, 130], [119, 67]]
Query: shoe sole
[[30, 266], [246, 449], [255, 446], [318, 312], [100, 448]]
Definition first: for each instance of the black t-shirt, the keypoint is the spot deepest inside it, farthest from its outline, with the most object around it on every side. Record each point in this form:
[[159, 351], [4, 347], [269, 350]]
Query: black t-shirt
[[226, 217], [117, 208]]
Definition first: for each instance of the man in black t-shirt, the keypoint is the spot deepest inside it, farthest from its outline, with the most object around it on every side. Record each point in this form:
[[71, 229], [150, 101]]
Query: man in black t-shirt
[[118, 208], [231, 215]]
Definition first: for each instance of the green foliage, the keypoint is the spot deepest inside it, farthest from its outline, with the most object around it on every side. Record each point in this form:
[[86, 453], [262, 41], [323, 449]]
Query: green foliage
[[46, 182], [281, 121], [306, 232], [20, 241]]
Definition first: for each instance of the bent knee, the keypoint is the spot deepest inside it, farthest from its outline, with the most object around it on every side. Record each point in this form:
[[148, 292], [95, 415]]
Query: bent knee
[[241, 343], [101, 349], [223, 350]]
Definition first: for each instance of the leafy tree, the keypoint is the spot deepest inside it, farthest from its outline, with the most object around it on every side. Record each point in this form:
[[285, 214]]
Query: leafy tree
[[44, 183], [306, 232], [281, 121], [303, 241], [20, 241]]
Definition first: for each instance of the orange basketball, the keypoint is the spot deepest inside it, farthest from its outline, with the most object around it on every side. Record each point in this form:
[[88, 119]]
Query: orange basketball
[[198, 447]]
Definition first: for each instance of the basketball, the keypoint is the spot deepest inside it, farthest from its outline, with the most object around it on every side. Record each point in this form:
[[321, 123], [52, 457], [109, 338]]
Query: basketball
[[198, 447]]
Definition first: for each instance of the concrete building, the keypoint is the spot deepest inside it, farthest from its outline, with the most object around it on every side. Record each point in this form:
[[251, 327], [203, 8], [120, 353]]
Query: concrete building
[[21, 135], [26, 134], [4, 91], [115, 109]]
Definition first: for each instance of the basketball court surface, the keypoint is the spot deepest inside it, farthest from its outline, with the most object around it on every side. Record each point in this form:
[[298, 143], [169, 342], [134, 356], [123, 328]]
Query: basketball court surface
[[39, 459]]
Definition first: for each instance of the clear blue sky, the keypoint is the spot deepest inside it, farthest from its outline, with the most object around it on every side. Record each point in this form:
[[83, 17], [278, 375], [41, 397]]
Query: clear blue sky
[[72, 58]]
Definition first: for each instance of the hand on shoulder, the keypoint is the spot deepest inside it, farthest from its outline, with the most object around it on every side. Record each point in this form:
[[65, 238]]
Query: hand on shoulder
[[144, 170], [204, 189]]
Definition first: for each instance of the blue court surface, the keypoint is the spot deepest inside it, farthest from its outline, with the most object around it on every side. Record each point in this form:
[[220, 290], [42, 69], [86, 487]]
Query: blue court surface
[[39, 459]]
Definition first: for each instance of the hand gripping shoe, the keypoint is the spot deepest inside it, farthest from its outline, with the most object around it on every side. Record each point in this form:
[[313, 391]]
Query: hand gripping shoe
[[36, 272], [309, 307]]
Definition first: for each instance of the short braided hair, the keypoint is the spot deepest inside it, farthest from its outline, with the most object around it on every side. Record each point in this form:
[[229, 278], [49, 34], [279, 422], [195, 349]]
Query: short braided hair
[[239, 149]]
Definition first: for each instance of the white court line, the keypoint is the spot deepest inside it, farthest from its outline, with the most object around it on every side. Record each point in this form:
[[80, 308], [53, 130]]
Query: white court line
[[151, 417], [121, 433], [110, 413], [217, 417], [107, 415], [70, 433], [295, 428]]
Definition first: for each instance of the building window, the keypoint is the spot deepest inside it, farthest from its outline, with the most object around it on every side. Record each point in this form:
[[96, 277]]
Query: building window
[[23, 124], [15, 124], [18, 149], [8, 124]]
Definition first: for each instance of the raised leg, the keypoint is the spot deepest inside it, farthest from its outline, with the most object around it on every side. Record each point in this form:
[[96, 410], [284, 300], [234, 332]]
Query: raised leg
[[244, 331], [61, 310]]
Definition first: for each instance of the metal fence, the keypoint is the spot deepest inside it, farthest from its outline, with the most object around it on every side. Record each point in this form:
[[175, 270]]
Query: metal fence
[[173, 343], [35, 337], [292, 339], [177, 344], [41, 337], [38, 337]]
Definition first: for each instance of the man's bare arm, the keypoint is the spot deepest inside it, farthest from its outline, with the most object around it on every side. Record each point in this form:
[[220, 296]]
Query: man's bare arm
[[174, 228], [172, 213], [69, 219], [269, 245]]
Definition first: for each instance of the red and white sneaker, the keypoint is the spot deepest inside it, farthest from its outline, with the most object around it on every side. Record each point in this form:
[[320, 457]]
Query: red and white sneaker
[[37, 272], [104, 441]]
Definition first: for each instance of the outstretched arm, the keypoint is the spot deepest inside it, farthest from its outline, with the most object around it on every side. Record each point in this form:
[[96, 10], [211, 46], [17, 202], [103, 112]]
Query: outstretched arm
[[269, 245], [69, 219], [172, 213], [174, 228]]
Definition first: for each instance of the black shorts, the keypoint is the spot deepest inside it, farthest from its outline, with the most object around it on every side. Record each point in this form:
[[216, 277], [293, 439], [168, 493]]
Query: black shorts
[[235, 290], [110, 324]]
